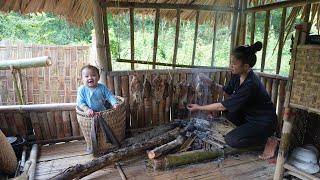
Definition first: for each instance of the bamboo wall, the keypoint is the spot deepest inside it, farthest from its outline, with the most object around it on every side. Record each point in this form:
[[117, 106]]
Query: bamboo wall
[[55, 84], [59, 121]]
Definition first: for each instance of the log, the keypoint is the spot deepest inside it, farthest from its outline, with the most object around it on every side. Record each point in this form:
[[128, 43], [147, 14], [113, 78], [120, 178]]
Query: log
[[33, 159], [25, 63], [158, 130], [81, 170], [175, 160], [165, 148]]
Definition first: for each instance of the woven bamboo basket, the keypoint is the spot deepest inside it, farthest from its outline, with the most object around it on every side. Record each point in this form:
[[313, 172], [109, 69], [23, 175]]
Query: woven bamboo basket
[[116, 119], [306, 79], [8, 159]]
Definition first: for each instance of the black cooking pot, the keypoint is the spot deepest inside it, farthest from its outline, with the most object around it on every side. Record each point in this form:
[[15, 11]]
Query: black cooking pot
[[17, 144]]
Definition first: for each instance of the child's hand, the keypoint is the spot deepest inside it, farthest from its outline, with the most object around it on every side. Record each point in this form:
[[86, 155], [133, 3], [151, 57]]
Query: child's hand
[[90, 112], [116, 106]]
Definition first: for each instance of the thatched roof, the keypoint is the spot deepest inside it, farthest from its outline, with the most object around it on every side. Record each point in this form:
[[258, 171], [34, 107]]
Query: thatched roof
[[79, 11]]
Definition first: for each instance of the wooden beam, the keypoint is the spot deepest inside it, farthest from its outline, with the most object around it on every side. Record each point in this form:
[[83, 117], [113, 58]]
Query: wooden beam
[[243, 23], [117, 4], [234, 26], [307, 8], [253, 27], [106, 35], [25, 63], [214, 40], [237, 40], [195, 37], [265, 40], [132, 36], [281, 36], [39, 107], [100, 41], [282, 4], [176, 40], [155, 40]]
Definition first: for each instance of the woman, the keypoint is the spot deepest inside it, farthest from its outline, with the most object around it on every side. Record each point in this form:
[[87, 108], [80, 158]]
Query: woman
[[248, 106]]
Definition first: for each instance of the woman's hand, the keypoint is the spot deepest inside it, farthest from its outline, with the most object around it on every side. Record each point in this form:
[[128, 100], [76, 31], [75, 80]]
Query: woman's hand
[[193, 107]]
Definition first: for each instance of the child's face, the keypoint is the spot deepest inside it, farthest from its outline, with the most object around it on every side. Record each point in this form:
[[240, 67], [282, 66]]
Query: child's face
[[90, 77]]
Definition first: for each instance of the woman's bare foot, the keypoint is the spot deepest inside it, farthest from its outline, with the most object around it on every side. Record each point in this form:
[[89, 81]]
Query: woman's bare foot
[[270, 148]]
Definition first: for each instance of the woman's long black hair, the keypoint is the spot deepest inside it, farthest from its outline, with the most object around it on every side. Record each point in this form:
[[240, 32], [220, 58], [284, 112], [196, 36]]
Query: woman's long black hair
[[247, 54]]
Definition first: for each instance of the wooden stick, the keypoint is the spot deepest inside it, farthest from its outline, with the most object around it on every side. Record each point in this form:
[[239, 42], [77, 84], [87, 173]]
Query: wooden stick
[[214, 40], [81, 170], [123, 176], [165, 148], [53, 141], [132, 37], [253, 27], [25, 63], [106, 36], [265, 40], [281, 36], [155, 39], [176, 40], [33, 159], [195, 38]]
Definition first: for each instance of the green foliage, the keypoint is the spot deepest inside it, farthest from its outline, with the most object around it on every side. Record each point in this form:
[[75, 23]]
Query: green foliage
[[43, 28]]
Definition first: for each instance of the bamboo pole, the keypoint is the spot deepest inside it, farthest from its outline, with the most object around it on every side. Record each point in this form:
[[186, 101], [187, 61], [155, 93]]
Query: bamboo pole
[[155, 40], [281, 36], [307, 8], [269, 86], [38, 107], [234, 25], [110, 83], [100, 40], [23, 97], [176, 40], [240, 17], [274, 92], [132, 37], [117, 85], [243, 23], [214, 40], [195, 37], [106, 36], [282, 93], [25, 63], [288, 119], [16, 86], [265, 40], [253, 27], [125, 95]]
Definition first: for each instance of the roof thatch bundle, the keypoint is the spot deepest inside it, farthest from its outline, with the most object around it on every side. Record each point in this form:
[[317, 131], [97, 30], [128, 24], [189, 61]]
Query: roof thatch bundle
[[79, 11]]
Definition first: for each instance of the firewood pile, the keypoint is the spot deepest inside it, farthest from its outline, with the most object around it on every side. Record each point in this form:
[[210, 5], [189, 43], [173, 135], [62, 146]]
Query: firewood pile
[[178, 143]]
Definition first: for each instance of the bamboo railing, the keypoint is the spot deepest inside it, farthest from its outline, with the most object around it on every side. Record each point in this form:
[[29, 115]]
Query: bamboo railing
[[57, 122]]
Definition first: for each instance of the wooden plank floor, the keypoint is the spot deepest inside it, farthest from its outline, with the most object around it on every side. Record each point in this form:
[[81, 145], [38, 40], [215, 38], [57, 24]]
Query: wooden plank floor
[[56, 158]]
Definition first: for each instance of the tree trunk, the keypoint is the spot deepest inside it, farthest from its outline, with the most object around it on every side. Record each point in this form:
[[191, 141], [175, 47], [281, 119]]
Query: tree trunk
[[81, 170]]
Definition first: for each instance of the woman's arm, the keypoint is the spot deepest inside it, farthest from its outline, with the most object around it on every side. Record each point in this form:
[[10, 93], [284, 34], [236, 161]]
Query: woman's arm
[[219, 88], [209, 107]]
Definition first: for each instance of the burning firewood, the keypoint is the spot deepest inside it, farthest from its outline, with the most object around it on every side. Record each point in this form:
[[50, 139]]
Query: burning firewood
[[81, 170], [165, 148]]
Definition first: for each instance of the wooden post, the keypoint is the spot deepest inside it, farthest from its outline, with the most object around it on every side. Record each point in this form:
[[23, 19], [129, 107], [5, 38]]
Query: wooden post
[[239, 23], [234, 25], [265, 40], [106, 35], [176, 40], [253, 27], [195, 38], [132, 36], [100, 41], [288, 119], [243, 23], [307, 8], [155, 40], [214, 40], [281, 36]]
